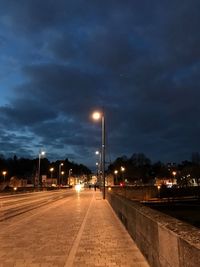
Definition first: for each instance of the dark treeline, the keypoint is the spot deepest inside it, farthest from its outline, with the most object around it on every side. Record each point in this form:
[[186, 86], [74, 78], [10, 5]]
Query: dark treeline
[[140, 169], [27, 168]]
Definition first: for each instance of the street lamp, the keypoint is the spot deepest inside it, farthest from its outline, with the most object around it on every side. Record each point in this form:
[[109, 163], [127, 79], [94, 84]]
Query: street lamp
[[174, 174], [4, 175], [62, 173], [42, 153], [70, 172], [59, 175], [51, 170], [99, 153], [97, 116], [99, 171], [122, 170], [116, 172]]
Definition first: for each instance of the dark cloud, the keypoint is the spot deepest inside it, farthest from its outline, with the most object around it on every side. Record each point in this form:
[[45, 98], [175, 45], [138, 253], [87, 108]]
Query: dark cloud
[[137, 60]]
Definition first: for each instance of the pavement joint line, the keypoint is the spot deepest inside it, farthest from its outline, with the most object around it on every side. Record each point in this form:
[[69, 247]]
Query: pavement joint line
[[125, 230], [115, 215], [72, 253]]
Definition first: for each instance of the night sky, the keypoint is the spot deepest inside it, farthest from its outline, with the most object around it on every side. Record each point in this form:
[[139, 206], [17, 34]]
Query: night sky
[[139, 60]]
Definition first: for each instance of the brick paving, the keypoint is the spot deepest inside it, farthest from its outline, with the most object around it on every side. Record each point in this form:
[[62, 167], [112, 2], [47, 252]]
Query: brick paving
[[79, 231]]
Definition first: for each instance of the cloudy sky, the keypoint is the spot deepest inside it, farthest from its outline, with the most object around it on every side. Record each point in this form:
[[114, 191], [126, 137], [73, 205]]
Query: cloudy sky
[[139, 60]]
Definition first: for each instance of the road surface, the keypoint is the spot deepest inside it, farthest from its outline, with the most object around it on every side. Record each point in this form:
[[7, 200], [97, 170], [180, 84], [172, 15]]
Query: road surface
[[64, 229]]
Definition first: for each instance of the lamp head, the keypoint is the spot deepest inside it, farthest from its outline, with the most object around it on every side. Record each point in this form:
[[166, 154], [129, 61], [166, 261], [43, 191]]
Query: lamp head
[[122, 169], [96, 115]]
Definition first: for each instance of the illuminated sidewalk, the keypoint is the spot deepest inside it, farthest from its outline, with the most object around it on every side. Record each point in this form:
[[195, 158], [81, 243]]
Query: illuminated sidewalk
[[103, 241], [79, 230]]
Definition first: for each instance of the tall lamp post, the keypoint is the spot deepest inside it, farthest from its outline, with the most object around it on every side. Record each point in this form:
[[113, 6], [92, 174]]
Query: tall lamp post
[[4, 175], [69, 175], [59, 175], [51, 170], [62, 173], [98, 153], [97, 165], [42, 153], [174, 174], [99, 171], [97, 116], [122, 170], [116, 173]]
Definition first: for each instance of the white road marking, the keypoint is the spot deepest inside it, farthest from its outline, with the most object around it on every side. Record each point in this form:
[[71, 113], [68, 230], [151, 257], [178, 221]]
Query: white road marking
[[70, 259]]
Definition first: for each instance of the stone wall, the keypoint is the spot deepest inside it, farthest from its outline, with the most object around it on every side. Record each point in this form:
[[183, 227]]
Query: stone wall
[[136, 192], [163, 240]]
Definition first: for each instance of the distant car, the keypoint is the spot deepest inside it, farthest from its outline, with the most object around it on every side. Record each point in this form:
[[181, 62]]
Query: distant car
[[66, 186]]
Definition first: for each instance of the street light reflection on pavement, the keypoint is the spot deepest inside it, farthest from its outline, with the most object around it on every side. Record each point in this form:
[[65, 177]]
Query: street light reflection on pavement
[[78, 187]]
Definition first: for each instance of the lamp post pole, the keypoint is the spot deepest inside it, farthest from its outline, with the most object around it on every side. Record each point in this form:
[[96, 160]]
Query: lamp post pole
[[69, 175], [51, 170], [42, 153], [59, 175], [122, 170], [116, 180], [39, 170], [99, 167], [103, 155], [96, 116], [4, 175], [62, 173]]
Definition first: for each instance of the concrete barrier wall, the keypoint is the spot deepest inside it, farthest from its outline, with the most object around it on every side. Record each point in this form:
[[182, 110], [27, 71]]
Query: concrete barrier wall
[[163, 240], [136, 192]]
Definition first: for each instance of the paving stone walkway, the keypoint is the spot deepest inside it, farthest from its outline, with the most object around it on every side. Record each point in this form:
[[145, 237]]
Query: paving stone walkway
[[80, 231]]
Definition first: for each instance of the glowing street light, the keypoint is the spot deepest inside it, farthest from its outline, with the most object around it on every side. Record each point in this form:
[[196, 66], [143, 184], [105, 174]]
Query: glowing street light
[[42, 153], [97, 116], [70, 172], [62, 173], [122, 170], [116, 172], [98, 153], [59, 174], [4, 175], [51, 170], [174, 174]]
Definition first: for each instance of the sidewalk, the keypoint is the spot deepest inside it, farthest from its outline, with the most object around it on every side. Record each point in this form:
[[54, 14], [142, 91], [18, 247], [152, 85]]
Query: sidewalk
[[103, 241], [79, 230]]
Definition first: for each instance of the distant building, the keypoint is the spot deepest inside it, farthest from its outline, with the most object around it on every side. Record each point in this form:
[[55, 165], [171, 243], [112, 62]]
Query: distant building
[[17, 182], [169, 182], [110, 180]]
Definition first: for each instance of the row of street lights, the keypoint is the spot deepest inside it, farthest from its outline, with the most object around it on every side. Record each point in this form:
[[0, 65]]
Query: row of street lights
[[122, 169], [61, 173]]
